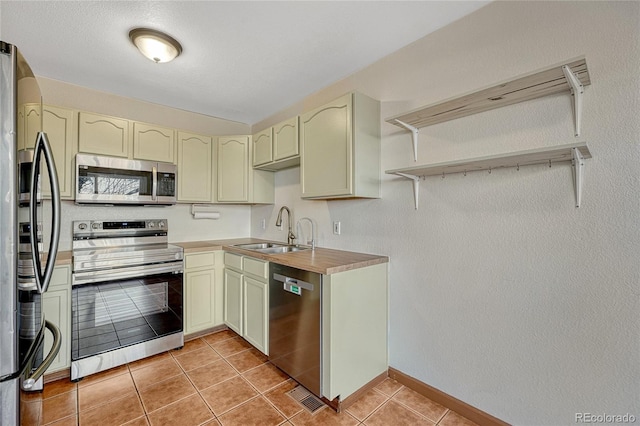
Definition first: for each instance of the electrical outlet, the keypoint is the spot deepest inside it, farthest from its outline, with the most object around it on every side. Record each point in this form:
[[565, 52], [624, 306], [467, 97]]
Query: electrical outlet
[[336, 227], [263, 224]]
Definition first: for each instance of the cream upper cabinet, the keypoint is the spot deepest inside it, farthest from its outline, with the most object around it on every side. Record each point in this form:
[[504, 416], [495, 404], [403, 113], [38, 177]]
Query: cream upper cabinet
[[278, 147], [195, 166], [32, 124], [151, 142], [233, 169], [285, 139], [103, 135], [262, 147], [60, 124], [238, 182], [340, 149]]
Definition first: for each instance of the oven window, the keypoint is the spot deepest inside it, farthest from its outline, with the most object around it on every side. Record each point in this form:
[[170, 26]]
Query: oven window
[[116, 314], [98, 180]]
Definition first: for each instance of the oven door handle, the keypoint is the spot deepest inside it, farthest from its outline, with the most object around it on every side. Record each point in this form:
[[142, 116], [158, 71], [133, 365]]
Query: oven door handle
[[43, 147], [30, 380]]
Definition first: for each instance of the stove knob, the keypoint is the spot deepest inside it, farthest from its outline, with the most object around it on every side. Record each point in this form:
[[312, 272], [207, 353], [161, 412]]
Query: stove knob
[[82, 226], [95, 225], [152, 225], [161, 224]]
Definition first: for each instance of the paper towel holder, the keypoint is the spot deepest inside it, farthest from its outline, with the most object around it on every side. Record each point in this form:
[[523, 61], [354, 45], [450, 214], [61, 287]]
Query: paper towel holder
[[204, 211]]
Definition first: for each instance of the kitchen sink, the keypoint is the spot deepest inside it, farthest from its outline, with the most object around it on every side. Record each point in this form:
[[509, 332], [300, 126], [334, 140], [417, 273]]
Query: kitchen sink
[[271, 248]]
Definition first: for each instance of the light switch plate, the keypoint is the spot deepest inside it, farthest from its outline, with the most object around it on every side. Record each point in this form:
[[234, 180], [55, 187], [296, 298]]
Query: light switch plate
[[336, 227]]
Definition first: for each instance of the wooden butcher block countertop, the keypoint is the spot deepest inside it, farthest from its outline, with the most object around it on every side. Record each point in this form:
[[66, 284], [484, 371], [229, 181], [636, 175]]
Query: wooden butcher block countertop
[[321, 260]]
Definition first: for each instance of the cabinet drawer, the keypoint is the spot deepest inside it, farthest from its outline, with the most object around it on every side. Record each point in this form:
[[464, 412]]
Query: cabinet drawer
[[259, 268], [200, 260], [233, 260]]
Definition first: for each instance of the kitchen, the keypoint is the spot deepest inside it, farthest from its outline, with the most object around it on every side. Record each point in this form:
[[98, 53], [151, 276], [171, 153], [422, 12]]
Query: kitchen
[[501, 293]]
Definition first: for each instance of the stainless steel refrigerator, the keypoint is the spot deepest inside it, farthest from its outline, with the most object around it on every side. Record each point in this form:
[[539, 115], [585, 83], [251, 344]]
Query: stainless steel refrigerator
[[24, 275]]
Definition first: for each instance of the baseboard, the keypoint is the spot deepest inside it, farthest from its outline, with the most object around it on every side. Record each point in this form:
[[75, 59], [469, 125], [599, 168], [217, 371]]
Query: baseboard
[[58, 375], [446, 400], [201, 333], [344, 404]]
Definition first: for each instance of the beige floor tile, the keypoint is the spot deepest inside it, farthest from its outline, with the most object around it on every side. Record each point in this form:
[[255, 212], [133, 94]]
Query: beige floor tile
[[190, 411], [166, 392], [103, 375], [392, 413], [156, 372], [454, 419], [219, 336], [228, 394], [246, 360], [115, 412], [230, 346], [196, 358], [389, 387], [326, 416], [189, 346], [265, 377], [423, 405], [283, 402], [255, 412], [211, 374], [105, 390], [58, 387], [59, 407], [367, 404]]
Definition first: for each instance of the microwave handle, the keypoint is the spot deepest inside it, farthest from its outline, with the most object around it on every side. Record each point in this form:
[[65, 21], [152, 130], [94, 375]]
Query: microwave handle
[[44, 278], [154, 186]]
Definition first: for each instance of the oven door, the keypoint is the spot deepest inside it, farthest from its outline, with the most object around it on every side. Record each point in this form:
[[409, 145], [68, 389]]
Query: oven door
[[111, 315]]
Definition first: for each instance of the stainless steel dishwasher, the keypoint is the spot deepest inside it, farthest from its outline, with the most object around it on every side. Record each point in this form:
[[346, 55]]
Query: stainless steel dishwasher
[[295, 324]]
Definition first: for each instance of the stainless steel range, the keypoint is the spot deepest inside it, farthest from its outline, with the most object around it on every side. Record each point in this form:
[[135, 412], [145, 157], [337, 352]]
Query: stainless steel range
[[126, 293]]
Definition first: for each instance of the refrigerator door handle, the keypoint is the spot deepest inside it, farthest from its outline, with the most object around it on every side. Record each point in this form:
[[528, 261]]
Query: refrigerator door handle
[[43, 147], [51, 356]]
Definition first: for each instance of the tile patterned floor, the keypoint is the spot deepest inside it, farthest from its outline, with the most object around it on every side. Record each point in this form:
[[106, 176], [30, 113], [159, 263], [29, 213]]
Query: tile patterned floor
[[218, 379]]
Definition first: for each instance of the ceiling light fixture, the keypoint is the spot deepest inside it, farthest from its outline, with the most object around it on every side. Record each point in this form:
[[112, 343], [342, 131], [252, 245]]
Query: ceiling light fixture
[[155, 45]]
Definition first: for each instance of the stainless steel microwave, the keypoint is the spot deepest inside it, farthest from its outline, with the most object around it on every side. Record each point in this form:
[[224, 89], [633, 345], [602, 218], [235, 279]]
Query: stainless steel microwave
[[111, 180]]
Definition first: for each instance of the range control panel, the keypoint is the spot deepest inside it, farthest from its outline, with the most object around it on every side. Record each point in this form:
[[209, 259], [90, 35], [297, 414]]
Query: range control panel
[[103, 228]]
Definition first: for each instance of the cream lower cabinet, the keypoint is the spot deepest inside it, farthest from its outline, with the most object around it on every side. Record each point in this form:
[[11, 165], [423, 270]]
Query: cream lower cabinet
[[56, 305], [203, 292], [247, 299], [195, 168], [237, 181], [340, 149]]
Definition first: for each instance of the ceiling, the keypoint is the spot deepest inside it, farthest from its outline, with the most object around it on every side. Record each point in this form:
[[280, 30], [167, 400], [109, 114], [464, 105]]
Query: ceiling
[[241, 61]]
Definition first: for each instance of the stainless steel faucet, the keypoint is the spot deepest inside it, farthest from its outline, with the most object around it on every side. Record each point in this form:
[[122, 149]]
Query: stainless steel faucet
[[290, 236], [313, 231]]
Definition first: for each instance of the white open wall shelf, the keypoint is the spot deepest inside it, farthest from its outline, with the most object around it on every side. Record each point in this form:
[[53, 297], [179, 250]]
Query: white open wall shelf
[[573, 153], [569, 76]]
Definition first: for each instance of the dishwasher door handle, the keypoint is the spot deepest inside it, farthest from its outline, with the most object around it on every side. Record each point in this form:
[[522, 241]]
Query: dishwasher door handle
[[293, 285]]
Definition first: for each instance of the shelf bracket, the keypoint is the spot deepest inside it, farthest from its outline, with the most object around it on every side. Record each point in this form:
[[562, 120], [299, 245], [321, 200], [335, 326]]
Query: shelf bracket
[[414, 137], [577, 89], [416, 185], [578, 168]]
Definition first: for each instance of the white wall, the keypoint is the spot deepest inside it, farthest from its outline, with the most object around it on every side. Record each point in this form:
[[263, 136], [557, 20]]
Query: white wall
[[502, 294]]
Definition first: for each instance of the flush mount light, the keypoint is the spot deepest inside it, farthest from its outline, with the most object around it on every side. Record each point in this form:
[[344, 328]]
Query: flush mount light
[[155, 45]]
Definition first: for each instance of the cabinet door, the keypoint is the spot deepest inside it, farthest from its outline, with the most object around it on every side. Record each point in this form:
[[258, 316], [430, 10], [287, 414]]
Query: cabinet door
[[155, 143], [233, 300], [285, 139], [103, 135], [233, 169], [256, 314], [32, 116], [59, 124], [195, 156], [199, 303], [262, 151], [327, 150], [56, 305]]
